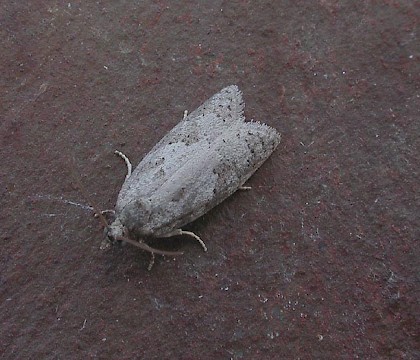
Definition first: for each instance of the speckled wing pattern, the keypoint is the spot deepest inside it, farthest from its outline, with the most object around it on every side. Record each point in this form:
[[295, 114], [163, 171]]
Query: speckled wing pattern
[[198, 164], [203, 125]]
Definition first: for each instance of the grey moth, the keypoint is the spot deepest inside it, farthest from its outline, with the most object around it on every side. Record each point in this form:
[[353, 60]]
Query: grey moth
[[204, 159]]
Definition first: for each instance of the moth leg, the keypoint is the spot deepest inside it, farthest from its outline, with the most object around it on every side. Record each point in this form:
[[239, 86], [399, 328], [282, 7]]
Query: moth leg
[[244, 188], [127, 162], [105, 244], [190, 233], [103, 212], [151, 262], [183, 232], [185, 114]]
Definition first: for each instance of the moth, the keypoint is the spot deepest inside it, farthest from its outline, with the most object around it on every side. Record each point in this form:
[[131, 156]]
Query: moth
[[204, 159]]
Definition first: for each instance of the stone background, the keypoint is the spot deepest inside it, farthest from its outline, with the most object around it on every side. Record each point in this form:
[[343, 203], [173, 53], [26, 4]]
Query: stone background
[[319, 261]]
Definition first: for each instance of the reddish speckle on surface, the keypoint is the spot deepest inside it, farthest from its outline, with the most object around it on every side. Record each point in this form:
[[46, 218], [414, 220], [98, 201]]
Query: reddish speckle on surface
[[319, 260]]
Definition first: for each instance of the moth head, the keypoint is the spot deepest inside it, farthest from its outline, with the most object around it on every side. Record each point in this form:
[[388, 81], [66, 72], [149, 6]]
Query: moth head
[[113, 233], [116, 231]]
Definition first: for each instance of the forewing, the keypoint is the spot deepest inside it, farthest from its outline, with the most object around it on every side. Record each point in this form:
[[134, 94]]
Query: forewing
[[223, 111], [210, 175]]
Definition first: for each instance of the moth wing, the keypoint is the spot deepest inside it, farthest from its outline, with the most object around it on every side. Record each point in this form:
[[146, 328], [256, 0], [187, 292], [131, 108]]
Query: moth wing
[[222, 111], [210, 176], [214, 117]]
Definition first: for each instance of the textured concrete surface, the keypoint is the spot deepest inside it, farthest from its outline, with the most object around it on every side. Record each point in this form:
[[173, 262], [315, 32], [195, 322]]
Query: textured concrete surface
[[319, 261]]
